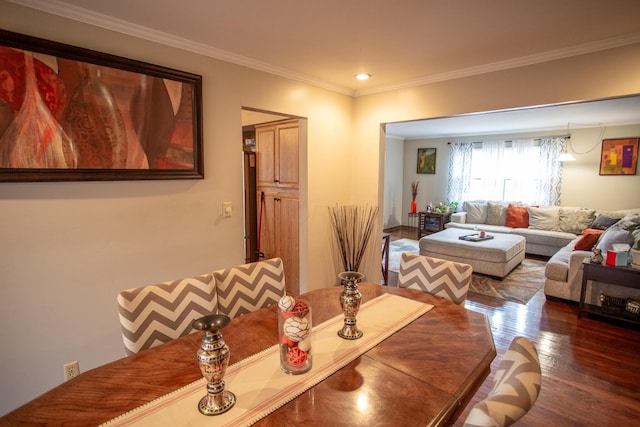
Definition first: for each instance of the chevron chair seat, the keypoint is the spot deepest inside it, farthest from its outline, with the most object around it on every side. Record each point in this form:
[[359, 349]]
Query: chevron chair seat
[[155, 314], [446, 279], [517, 386], [249, 287]]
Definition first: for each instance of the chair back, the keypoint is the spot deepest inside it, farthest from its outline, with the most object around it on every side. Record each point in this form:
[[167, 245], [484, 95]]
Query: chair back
[[151, 315], [518, 382], [446, 279], [249, 287]]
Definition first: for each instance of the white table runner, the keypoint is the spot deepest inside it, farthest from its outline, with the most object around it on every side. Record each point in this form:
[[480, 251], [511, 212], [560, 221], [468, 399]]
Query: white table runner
[[259, 384]]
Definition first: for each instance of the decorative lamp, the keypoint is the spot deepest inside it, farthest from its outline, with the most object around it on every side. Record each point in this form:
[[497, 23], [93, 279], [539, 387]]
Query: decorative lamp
[[566, 157]]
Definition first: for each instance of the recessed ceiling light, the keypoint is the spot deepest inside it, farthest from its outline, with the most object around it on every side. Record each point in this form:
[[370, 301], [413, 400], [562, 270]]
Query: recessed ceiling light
[[363, 76]]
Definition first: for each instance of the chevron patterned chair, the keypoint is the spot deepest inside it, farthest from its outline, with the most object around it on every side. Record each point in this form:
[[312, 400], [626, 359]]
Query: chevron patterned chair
[[249, 287], [154, 314], [446, 279], [517, 386]]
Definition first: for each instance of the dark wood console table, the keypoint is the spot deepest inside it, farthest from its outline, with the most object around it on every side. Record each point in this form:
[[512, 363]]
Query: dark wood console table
[[620, 276], [431, 222]]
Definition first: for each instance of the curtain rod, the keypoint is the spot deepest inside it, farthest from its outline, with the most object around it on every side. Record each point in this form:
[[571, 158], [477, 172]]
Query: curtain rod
[[566, 135]]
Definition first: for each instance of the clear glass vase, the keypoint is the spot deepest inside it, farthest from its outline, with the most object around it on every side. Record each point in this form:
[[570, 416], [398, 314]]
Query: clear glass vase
[[294, 332]]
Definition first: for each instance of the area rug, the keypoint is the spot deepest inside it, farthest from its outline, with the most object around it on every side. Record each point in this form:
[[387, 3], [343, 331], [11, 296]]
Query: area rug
[[396, 248], [519, 286]]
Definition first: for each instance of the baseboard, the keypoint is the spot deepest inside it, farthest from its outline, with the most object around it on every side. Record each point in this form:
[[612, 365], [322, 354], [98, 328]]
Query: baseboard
[[557, 299], [399, 228]]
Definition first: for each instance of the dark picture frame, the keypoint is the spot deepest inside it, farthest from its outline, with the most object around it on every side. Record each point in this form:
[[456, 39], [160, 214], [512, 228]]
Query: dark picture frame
[[619, 156], [74, 114], [426, 161]]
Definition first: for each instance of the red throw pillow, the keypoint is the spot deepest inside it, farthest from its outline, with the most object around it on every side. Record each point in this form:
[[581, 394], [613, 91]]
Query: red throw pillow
[[587, 242], [595, 231], [517, 216]]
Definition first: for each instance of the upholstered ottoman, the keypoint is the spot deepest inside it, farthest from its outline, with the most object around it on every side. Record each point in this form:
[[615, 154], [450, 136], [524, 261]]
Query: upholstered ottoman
[[494, 257]]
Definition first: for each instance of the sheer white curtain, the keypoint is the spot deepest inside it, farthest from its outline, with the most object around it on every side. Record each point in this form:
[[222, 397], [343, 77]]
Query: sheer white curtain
[[459, 171], [524, 173], [550, 170], [525, 170]]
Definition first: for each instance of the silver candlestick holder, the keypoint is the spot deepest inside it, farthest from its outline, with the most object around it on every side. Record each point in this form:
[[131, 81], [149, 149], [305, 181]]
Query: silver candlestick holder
[[350, 300], [213, 358]]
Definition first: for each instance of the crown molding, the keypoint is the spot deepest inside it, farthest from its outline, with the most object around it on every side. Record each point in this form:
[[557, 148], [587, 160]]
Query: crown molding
[[65, 10], [75, 13], [551, 55]]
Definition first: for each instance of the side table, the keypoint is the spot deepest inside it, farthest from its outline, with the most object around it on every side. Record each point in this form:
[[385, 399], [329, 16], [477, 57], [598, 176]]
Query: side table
[[619, 276], [413, 219], [431, 222]]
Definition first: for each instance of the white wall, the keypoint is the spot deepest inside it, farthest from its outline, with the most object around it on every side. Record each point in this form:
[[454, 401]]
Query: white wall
[[432, 187], [583, 185], [68, 248], [394, 171], [585, 77]]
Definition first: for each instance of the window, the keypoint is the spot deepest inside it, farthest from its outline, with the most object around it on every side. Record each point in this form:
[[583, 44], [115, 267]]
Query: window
[[523, 170]]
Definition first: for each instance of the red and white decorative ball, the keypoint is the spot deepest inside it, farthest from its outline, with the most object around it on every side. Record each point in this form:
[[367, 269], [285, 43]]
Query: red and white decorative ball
[[296, 357], [286, 303], [300, 308], [296, 328], [305, 344]]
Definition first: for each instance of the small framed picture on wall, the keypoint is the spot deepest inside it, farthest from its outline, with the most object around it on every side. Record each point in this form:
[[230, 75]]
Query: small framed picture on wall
[[427, 161], [619, 156]]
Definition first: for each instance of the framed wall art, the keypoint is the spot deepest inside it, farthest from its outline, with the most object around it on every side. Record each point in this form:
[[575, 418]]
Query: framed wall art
[[73, 114], [619, 156], [427, 160]]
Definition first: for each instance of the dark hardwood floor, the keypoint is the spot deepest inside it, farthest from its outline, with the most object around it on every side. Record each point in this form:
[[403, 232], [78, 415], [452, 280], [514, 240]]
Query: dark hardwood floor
[[590, 367]]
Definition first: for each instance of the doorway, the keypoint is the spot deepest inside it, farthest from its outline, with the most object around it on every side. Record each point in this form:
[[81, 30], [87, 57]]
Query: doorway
[[274, 146]]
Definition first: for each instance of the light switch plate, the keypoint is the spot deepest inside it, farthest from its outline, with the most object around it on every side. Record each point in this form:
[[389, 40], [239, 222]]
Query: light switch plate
[[227, 209]]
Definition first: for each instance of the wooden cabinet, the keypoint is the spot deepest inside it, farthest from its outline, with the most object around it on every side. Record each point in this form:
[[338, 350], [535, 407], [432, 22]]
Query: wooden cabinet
[[626, 277], [279, 235], [277, 148], [277, 178], [431, 222]]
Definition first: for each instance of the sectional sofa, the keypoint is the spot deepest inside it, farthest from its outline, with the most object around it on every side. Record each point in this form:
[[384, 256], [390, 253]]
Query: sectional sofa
[[565, 234]]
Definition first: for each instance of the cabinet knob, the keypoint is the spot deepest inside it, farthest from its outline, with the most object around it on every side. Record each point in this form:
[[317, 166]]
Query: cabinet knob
[[276, 180]]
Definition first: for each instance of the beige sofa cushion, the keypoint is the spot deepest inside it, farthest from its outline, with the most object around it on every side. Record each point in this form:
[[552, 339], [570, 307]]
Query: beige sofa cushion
[[496, 214], [544, 218], [574, 220], [547, 237], [476, 212]]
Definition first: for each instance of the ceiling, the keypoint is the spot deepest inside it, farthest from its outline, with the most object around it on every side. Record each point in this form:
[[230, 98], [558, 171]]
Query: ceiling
[[400, 43]]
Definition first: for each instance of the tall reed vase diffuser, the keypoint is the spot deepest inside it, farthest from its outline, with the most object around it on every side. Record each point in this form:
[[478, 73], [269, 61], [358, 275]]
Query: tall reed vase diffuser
[[352, 228], [414, 194]]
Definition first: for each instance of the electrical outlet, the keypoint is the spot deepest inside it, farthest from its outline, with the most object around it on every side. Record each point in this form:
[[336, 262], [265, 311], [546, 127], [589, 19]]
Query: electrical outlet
[[71, 370]]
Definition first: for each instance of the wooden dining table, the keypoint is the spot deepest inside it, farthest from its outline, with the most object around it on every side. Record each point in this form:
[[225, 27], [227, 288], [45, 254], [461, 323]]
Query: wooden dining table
[[424, 374]]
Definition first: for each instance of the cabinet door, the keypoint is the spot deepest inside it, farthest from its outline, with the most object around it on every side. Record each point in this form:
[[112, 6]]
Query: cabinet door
[[287, 155], [277, 154], [288, 239], [279, 233], [266, 155]]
